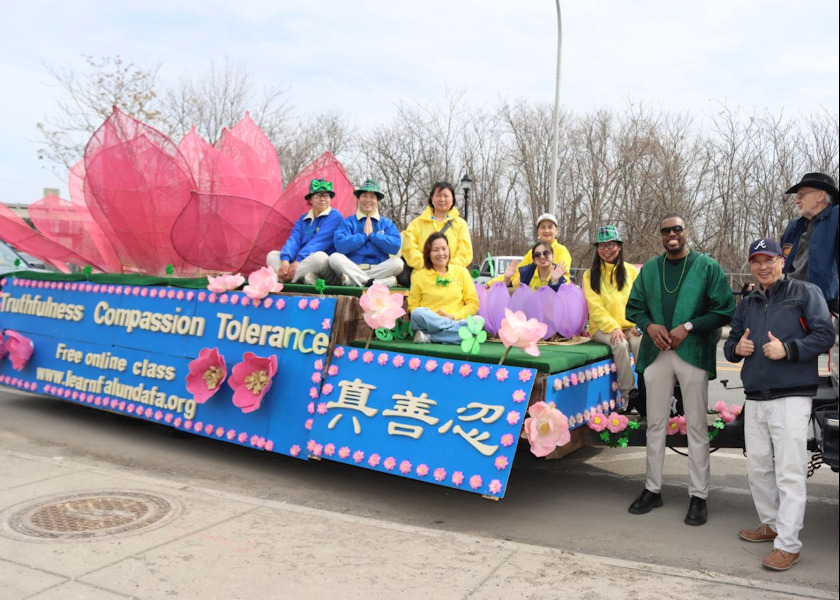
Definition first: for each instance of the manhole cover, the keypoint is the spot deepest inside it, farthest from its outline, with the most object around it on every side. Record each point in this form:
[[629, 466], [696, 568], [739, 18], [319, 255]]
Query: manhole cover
[[89, 515]]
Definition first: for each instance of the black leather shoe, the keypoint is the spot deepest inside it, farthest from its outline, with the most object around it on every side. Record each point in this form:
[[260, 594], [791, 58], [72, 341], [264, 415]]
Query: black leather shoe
[[697, 512], [646, 502]]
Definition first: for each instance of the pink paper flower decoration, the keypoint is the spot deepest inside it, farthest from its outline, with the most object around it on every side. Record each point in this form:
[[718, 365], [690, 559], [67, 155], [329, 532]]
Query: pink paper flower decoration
[[447, 368], [598, 422], [431, 365], [343, 452], [673, 426], [519, 396], [381, 307], [439, 474], [310, 408], [358, 456], [389, 463], [525, 375], [261, 283], [546, 428], [314, 304], [374, 459], [502, 374], [329, 449], [507, 440], [20, 349], [251, 380], [382, 359], [302, 303], [617, 422], [316, 377], [326, 389], [332, 371], [405, 467], [308, 424], [495, 486], [513, 417], [682, 424], [243, 437], [313, 392], [464, 370], [367, 357], [422, 470], [294, 450], [280, 304], [224, 283], [457, 478], [325, 324], [518, 331], [206, 374], [322, 408], [353, 354], [483, 372], [338, 352], [476, 482], [501, 462], [268, 302], [414, 363], [735, 409], [398, 361], [269, 445]]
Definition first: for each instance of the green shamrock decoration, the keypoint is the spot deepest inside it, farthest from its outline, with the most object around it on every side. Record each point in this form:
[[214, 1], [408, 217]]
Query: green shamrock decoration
[[472, 335], [475, 274], [320, 286], [170, 269], [401, 331], [717, 427], [17, 262], [384, 334]]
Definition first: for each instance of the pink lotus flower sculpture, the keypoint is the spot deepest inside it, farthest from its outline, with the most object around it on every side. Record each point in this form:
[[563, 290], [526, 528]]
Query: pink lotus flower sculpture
[[381, 308], [225, 283], [261, 283], [546, 428], [598, 422], [518, 331], [617, 422], [20, 349], [251, 380], [3, 349], [207, 373]]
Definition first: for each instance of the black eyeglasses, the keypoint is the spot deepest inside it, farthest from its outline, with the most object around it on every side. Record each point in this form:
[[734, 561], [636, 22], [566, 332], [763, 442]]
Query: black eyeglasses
[[674, 228], [544, 254]]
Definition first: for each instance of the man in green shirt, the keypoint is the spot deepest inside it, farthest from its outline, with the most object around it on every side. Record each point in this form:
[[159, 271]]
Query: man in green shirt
[[680, 299]]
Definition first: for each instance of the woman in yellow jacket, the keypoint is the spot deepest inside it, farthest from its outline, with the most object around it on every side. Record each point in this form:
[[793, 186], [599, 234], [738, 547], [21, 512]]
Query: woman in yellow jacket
[[442, 295], [547, 232], [440, 215], [607, 286]]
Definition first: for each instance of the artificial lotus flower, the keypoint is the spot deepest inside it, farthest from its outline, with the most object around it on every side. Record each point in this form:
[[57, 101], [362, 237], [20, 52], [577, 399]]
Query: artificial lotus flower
[[546, 428], [261, 283], [673, 426], [207, 373], [723, 411], [251, 380], [598, 422], [20, 349], [382, 308], [521, 332], [3, 349], [224, 283], [617, 422]]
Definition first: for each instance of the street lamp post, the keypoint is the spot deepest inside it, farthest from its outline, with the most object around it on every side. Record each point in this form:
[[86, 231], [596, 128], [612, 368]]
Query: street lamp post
[[552, 200], [466, 185]]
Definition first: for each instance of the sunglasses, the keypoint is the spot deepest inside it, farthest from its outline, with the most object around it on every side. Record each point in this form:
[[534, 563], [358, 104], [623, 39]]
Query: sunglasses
[[544, 254], [674, 228]]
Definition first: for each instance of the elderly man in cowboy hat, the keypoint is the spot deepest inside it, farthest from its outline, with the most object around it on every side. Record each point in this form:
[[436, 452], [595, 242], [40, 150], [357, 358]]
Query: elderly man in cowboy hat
[[366, 243], [811, 243], [305, 255]]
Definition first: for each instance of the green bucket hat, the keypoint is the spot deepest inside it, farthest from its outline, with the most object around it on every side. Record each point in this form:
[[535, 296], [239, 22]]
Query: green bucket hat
[[369, 186], [607, 233], [317, 186]]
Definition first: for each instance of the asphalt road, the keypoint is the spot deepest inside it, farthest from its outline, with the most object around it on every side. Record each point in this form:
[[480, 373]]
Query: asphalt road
[[578, 503]]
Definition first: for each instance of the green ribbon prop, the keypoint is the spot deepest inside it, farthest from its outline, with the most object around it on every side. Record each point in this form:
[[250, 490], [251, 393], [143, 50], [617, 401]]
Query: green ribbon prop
[[492, 265], [441, 281], [320, 185]]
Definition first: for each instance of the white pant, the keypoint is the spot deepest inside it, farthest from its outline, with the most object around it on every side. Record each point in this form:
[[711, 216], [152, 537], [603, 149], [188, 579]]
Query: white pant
[[776, 436], [660, 377], [621, 356], [358, 275], [317, 262]]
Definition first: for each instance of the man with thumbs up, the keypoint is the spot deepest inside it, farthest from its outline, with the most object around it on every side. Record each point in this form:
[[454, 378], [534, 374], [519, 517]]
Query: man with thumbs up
[[778, 330]]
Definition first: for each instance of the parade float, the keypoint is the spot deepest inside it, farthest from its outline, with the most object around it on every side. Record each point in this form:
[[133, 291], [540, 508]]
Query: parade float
[[156, 323]]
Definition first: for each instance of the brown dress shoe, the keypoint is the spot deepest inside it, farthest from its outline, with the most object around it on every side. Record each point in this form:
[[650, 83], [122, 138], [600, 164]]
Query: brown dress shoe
[[779, 560], [762, 533]]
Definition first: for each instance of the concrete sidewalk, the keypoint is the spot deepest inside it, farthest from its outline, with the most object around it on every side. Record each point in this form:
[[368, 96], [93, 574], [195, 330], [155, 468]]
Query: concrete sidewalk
[[209, 544]]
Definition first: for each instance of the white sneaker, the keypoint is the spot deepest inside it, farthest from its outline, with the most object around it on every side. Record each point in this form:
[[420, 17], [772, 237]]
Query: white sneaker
[[421, 337], [310, 278], [386, 281]]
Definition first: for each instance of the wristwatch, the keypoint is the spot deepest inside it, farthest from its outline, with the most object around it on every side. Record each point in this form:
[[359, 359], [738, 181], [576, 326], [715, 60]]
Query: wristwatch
[[688, 326]]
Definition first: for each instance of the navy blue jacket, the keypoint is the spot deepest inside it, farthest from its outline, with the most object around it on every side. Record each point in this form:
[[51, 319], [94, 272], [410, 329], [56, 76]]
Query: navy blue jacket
[[797, 314], [823, 249]]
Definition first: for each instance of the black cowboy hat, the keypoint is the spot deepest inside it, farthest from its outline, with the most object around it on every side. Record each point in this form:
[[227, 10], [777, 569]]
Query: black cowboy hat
[[818, 181]]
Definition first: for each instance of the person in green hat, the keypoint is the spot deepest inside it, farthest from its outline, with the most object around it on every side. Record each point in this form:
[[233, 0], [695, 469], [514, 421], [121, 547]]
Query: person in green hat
[[366, 243], [306, 254], [607, 286]]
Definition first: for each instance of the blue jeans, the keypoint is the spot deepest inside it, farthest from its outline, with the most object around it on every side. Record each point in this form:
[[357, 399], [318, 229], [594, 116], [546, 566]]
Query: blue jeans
[[442, 330]]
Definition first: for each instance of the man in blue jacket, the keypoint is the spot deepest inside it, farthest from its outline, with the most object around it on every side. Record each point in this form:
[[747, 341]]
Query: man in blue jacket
[[779, 330], [305, 255], [367, 243], [811, 243]]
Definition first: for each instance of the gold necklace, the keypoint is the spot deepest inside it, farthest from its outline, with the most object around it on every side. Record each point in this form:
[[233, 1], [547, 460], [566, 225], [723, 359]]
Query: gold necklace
[[665, 285]]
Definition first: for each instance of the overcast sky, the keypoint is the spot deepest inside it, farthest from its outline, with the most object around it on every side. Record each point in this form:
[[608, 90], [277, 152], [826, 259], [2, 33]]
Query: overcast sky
[[363, 57]]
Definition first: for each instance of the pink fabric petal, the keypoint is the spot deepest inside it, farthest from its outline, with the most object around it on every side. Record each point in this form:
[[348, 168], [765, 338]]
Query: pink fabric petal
[[20, 349], [249, 400], [197, 383]]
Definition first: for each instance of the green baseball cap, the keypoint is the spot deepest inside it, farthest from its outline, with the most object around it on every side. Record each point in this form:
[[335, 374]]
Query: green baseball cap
[[607, 233], [369, 186]]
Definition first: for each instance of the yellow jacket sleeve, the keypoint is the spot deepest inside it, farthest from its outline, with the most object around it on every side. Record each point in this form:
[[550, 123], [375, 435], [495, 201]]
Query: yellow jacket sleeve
[[607, 309], [459, 239], [599, 317], [412, 246], [469, 304]]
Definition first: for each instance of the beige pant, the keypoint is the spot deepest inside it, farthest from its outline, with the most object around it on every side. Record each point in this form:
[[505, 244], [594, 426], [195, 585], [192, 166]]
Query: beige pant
[[660, 377], [359, 275], [621, 355], [317, 263]]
